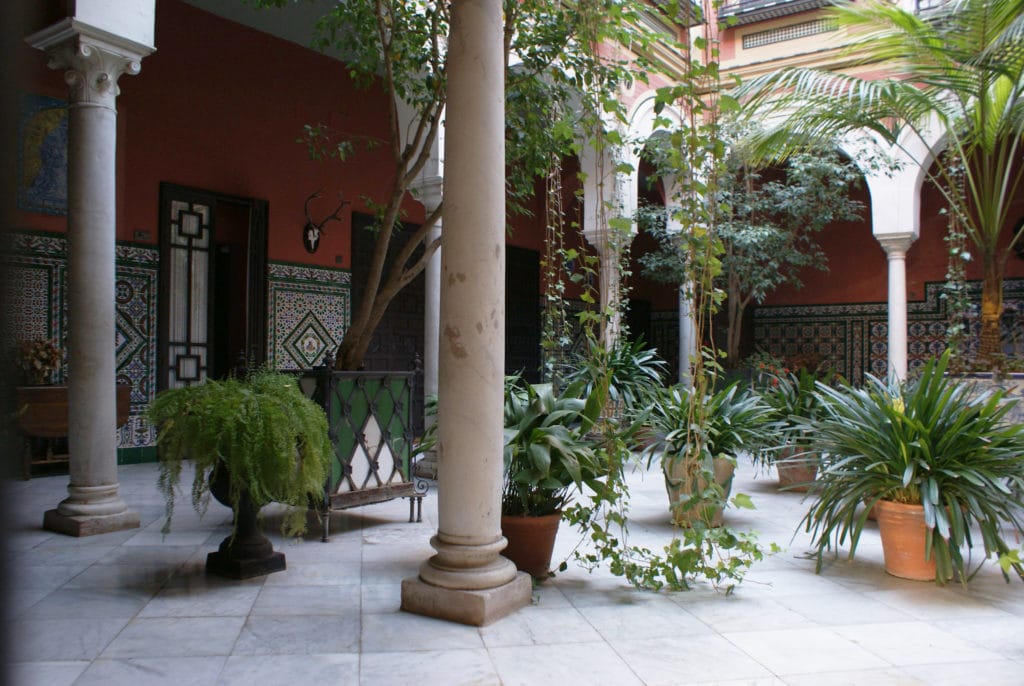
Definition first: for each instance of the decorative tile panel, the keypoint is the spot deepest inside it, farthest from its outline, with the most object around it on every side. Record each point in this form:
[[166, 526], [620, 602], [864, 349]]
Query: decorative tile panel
[[308, 311], [37, 265], [854, 337]]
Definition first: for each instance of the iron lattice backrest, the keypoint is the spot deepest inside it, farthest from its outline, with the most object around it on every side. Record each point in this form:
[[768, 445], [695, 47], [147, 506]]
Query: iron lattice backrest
[[369, 417]]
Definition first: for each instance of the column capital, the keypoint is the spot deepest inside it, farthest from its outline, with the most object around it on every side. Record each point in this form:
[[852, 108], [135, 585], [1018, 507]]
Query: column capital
[[429, 191], [896, 244], [93, 59]]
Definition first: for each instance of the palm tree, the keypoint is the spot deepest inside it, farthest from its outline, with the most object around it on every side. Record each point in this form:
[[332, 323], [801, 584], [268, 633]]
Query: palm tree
[[957, 71]]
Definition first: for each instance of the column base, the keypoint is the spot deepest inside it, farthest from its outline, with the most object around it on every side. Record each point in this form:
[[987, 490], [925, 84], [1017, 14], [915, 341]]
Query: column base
[[89, 525], [476, 608]]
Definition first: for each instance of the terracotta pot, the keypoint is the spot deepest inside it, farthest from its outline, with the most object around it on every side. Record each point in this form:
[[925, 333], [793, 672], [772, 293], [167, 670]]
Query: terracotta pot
[[797, 469], [531, 541], [903, 540], [680, 484]]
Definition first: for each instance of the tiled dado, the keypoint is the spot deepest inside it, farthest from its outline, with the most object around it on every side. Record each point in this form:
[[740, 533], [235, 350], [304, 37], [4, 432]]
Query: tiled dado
[[308, 311], [35, 265], [853, 337]]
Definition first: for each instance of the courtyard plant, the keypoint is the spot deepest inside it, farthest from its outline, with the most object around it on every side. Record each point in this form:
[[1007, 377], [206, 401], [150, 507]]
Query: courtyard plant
[[635, 374], [956, 80], [931, 444], [548, 457], [251, 441], [698, 459], [793, 403]]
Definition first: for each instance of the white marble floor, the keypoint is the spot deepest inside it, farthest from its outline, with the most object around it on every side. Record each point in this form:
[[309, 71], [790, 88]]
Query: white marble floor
[[137, 608]]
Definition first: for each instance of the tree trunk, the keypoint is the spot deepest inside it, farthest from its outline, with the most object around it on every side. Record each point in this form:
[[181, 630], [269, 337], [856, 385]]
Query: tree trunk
[[990, 339]]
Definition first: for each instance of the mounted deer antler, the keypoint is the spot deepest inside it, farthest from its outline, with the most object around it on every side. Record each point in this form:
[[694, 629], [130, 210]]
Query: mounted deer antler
[[312, 231], [319, 226]]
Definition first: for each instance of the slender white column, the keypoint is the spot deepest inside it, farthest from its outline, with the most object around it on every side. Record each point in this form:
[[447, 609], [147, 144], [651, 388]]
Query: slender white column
[[896, 247], [468, 580], [430, 194], [93, 61], [687, 335]]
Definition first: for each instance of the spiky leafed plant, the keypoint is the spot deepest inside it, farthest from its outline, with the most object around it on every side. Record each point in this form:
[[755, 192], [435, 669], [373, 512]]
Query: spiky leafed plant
[[933, 442], [956, 71]]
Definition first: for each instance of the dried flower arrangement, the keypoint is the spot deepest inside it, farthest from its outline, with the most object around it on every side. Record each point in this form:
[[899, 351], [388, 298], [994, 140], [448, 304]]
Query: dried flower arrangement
[[37, 360]]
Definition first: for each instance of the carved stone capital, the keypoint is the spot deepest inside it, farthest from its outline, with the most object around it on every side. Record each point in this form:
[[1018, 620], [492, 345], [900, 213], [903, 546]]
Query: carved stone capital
[[93, 59], [429, 191], [896, 245]]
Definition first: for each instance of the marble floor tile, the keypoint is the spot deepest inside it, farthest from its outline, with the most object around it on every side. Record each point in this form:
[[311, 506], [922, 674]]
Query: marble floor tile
[[540, 626], [739, 613], [1002, 634], [923, 600], [562, 664], [843, 608], [209, 601], [176, 637], [381, 598], [135, 576], [655, 618], [289, 670], [83, 603], [298, 635], [695, 659], [61, 673], [42, 577], [335, 573], [156, 671], [40, 640], [989, 673], [913, 643], [803, 651], [891, 676], [430, 668], [384, 633], [307, 600]]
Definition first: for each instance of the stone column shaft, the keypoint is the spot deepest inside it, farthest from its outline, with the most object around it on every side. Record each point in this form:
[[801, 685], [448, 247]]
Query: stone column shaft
[[93, 61], [896, 247], [467, 580]]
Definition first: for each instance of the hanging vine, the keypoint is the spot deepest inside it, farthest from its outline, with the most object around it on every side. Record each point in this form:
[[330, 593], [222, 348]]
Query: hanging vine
[[701, 551]]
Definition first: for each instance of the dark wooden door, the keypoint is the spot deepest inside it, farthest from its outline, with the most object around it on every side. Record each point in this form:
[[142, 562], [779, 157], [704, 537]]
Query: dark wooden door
[[522, 313]]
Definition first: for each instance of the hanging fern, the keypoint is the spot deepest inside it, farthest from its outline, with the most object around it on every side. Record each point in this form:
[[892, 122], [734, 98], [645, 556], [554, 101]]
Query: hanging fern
[[270, 437]]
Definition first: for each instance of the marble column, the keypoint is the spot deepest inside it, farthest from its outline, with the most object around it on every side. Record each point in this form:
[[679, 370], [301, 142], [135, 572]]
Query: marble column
[[92, 61], [430, 194], [468, 580], [687, 335], [896, 246]]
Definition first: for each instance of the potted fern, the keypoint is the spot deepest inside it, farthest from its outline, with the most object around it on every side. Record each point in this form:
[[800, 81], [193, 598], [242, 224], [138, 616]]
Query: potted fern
[[930, 454], [252, 441]]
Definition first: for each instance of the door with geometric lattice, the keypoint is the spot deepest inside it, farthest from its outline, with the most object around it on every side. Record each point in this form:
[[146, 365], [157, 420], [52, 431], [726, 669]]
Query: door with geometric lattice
[[212, 299]]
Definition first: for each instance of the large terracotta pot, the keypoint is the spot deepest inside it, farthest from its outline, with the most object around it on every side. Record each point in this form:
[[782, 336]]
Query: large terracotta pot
[[903, 533], [531, 541], [796, 468], [680, 484]]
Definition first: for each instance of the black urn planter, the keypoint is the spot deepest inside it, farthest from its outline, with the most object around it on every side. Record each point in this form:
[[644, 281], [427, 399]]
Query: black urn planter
[[246, 552]]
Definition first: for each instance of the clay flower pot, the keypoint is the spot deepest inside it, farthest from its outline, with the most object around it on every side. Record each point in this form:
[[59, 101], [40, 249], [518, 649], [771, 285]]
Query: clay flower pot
[[903, 534], [531, 541], [797, 469], [680, 484]]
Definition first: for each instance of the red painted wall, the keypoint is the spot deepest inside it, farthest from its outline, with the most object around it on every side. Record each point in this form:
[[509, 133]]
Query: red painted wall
[[858, 269], [219, 106]]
